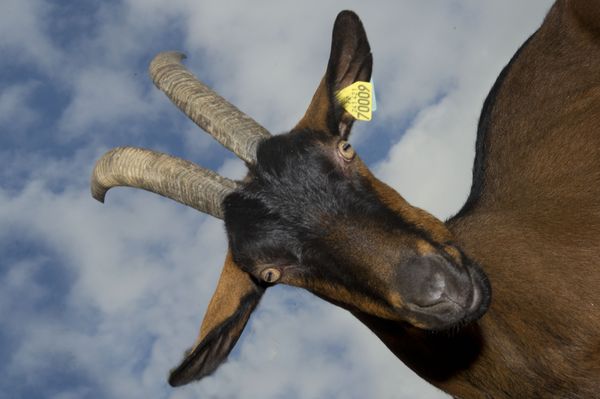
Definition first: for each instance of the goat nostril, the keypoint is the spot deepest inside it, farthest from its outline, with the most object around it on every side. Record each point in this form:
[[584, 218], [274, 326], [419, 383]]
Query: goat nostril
[[436, 286], [429, 280]]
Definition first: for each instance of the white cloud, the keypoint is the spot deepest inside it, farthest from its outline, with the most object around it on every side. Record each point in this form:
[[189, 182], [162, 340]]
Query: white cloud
[[104, 97], [22, 38], [233, 168], [141, 269], [431, 163], [15, 111]]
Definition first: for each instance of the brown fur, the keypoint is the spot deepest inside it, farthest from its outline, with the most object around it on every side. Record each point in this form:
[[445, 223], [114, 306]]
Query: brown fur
[[420, 218], [233, 285], [316, 114], [234, 300], [535, 230]]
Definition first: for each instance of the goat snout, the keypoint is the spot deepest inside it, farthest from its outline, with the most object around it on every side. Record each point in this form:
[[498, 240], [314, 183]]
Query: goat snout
[[440, 294]]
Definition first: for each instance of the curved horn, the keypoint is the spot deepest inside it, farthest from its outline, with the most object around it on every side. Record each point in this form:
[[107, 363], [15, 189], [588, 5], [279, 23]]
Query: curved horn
[[230, 126], [163, 174]]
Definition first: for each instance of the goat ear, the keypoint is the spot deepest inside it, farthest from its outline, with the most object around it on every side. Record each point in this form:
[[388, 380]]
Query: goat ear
[[350, 61], [236, 296]]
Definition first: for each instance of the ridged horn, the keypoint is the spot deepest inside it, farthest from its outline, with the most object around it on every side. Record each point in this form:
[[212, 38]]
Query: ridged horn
[[222, 120], [166, 175]]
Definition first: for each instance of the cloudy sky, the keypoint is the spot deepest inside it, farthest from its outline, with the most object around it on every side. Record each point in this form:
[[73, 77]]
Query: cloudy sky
[[100, 301]]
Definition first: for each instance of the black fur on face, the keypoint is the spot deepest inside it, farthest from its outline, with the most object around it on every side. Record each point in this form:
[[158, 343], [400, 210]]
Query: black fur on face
[[295, 190], [297, 195]]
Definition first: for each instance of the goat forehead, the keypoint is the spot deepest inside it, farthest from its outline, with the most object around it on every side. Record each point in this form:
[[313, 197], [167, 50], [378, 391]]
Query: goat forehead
[[295, 194], [299, 180], [292, 154], [296, 169], [312, 190]]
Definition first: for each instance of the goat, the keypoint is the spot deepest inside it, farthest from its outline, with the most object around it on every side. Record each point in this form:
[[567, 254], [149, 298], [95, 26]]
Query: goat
[[310, 214]]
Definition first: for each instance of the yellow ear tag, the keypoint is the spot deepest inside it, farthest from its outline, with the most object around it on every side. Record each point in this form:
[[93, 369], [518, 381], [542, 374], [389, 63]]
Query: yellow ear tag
[[357, 100]]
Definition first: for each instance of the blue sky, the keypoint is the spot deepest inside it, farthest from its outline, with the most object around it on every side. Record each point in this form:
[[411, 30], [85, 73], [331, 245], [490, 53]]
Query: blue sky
[[100, 301]]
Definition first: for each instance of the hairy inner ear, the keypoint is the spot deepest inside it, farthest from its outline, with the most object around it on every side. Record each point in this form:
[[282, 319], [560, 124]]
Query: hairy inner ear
[[350, 60], [236, 296]]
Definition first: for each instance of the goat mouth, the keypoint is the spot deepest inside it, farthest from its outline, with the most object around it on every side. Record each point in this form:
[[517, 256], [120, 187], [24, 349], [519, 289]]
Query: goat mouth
[[481, 296], [449, 312]]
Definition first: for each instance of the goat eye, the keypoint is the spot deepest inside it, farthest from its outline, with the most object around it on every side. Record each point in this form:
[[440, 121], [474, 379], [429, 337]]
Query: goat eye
[[346, 151], [270, 275]]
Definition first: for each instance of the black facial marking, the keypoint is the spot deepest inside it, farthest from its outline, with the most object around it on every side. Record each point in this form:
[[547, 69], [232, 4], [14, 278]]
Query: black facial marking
[[295, 195]]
